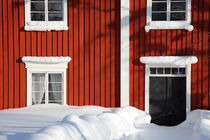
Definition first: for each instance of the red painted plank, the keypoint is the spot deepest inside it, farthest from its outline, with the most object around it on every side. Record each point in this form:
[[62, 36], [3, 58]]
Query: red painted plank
[[49, 44], [97, 54], [1, 59], [135, 60], [16, 53], [173, 42], [44, 44], [103, 52], [11, 54], [55, 43], [179, 43], [33, 44], [152, 47], [113, 47], [22, 53], [131, 47], [76, 54], [81, 53], [71, 51], [92, 54], [60, 44], [38, 44], [164, 43], [5, 53], [87, 52], [169, 51], [158, 43], [117, 52]]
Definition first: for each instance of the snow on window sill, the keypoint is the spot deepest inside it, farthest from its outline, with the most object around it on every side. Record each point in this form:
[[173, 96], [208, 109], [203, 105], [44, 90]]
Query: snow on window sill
[[45, 60], [45, 28], [169, 60], [158, 25]]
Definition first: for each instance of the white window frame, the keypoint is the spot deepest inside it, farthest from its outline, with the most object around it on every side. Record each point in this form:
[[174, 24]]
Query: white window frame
[[169, 61], [46, 83], [45, 65], [158, 25], [45, 25]]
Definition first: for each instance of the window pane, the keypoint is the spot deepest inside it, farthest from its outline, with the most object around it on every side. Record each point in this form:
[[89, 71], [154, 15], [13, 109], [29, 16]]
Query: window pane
[[178, 0], [38, 77], [159, 6], [178, 6], [152, 70], [38, 87], [174, 70], [55, 17], [55, 97], [55, 0], [54, 6], [37, 6], [37, 17], [55, 77], [160, 70], [38, 98], [182, 71], [167, 70], [177, 16], [55, 86], [158, 16]]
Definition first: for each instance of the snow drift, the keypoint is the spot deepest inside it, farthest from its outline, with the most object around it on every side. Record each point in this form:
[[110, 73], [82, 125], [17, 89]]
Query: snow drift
[[105, 126]]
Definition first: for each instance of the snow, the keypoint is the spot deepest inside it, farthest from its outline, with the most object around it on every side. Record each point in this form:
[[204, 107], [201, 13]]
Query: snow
[[59, 122], [47, 60], [169, 60]]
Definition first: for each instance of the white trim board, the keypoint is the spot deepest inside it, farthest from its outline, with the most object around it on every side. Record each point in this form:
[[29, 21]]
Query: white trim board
[[124, 60], [169, 61]]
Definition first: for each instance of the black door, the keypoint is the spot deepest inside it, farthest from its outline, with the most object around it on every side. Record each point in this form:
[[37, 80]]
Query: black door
[[167, 100]]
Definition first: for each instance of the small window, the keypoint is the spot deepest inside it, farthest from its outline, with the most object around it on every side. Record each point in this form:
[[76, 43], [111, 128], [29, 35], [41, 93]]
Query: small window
[[46, 15], [168, 71], [47, 88], [168, 14]]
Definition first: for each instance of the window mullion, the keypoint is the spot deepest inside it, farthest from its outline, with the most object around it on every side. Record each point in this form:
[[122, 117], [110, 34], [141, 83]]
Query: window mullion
[[47, 90], [46, 11], [168, 9]]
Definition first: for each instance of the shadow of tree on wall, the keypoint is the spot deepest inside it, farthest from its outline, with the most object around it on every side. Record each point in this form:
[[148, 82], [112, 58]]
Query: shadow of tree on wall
[[174, 43]]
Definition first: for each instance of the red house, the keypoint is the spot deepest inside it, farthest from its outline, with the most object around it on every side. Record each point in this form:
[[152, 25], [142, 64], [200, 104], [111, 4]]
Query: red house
[[150, 54]]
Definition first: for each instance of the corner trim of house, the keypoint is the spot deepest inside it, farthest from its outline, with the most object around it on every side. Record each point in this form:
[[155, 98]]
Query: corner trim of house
[[124, 82]]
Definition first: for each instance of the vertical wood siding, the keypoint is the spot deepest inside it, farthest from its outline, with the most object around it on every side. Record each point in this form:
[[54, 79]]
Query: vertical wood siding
[[92, 41], [171, 43]]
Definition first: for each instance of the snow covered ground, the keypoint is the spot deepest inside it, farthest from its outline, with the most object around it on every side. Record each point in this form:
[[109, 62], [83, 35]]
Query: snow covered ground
[[57, 122]]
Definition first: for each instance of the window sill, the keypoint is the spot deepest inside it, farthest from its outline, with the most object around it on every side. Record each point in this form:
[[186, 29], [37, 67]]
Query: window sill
[[161, 25], [45, 28]]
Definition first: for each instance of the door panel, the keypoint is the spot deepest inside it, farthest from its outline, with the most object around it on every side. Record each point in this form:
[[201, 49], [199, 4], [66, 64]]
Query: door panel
[[167, 100]]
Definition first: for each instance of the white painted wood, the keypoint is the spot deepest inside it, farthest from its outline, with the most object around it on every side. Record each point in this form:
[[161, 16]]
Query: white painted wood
[[159, 25], [45, 25], [124, 61], [58, 67]]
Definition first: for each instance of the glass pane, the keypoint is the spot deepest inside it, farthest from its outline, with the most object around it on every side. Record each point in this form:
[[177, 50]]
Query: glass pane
[[55, 77], [38, 87], [55, 97], [152, 70], [55, 86], [177, 16], [158, 16], [38, 98], [178, 6], [159, 0], [38, 77], [174, 70], [55, 0], [178, 0], [167, 70], [54, 6], [37, 17], [182, 71], [160, 70], [55, 17], [37, 6], [159, 6]]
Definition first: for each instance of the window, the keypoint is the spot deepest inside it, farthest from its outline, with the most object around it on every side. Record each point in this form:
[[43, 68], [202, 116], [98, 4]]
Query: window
[[46, 79], [47, 88], [45, 15], [168, 14]]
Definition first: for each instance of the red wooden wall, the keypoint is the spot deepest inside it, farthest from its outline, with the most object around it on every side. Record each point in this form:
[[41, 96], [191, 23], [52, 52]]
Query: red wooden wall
[[171, 43], [92, 41]]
